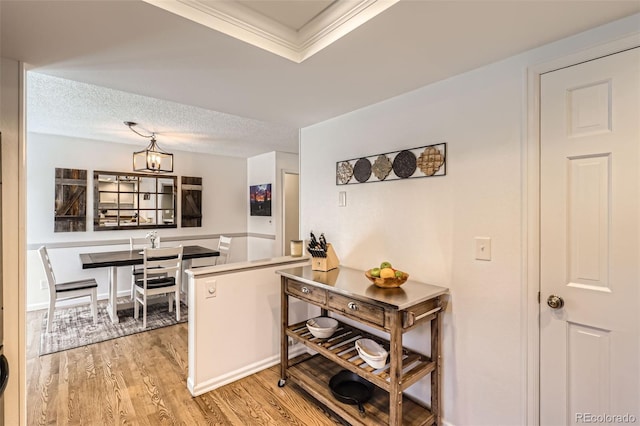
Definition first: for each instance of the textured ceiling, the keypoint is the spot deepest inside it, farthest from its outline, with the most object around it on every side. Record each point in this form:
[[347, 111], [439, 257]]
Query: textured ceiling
[[68, 108], [135, 47]]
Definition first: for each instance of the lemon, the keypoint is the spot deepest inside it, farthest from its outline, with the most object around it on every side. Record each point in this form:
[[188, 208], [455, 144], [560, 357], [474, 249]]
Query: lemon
[[387, 273]]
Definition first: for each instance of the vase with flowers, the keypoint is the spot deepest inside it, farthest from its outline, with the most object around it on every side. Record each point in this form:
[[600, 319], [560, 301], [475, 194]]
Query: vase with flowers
[[152, 236]]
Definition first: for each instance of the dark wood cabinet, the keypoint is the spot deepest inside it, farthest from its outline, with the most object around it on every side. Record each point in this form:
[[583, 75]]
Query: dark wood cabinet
[[347, 292]]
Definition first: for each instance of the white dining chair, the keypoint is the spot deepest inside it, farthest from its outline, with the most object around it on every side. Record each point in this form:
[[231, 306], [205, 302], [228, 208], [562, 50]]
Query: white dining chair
[[224, 247], [136, 270], [67, 290], [167, 261]]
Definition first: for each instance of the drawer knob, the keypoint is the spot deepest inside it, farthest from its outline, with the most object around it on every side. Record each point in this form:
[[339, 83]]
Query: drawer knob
[[353, 306], [305, 290]]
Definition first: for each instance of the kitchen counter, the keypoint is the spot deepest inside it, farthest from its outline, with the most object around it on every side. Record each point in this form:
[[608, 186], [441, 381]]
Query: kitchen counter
[[243, 266], [353, 283]]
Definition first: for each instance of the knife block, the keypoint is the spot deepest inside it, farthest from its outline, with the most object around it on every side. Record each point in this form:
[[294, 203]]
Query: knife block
[[325, 264]]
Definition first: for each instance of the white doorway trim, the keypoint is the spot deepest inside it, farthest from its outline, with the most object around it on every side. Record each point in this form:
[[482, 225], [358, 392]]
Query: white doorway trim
[[283, 174], [531, 212]]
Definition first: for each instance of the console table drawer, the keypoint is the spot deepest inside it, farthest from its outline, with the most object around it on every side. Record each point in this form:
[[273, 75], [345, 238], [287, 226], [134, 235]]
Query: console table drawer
[[308, 292], [355, 308]]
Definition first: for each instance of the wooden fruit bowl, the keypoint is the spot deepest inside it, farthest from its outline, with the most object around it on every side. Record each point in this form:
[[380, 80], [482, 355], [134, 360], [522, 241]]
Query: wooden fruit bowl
[[388, 282]]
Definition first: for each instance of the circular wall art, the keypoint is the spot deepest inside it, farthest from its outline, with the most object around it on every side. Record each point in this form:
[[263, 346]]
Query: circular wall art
[[423, 161], [344, 172], [430, 161], [362, 170], [404, 165], [382, 167]]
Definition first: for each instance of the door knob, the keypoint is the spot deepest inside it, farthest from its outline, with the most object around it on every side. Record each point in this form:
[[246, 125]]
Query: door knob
[[555, 302]]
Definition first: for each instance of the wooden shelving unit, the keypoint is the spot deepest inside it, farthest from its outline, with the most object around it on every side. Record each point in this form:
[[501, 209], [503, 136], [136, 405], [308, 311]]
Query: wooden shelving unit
[[348, 293], [313, 374]]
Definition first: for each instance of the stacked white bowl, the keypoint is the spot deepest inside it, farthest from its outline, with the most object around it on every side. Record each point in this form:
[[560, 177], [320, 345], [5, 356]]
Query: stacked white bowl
[[322, 327], [372, 353]]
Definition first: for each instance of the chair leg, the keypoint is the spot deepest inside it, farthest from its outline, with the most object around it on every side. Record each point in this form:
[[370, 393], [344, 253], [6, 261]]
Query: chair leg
[[170, 299], [136, 314], [52, 305], [177, 304], [94, 305], [144, 312], [133, 286]]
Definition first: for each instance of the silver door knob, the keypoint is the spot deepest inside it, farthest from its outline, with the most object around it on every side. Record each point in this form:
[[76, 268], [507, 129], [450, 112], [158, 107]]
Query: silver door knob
[[555, 302]]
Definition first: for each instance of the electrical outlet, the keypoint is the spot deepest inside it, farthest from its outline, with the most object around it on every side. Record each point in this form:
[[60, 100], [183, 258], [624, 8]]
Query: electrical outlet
[[211, 288], [43, 285]]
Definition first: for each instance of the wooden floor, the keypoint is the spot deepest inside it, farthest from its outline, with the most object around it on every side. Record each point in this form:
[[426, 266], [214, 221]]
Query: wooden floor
[[141, 380]]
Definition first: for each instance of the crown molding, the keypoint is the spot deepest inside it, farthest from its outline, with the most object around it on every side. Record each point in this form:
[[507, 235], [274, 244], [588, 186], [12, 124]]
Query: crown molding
[[243, 23]]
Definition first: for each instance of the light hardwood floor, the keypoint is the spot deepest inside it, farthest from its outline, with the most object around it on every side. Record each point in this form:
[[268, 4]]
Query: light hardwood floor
[[141, 380]]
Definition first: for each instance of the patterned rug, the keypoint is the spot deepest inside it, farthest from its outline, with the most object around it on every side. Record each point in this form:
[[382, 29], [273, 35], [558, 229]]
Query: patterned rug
[[74, 327]]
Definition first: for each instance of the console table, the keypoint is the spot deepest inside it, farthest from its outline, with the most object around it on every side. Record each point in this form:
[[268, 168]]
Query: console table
[[347, 292]]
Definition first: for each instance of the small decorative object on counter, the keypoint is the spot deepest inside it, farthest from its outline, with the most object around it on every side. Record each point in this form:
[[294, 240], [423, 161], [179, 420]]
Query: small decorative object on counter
[[296, 248], [324, 257], [386, 276], [152, 236]]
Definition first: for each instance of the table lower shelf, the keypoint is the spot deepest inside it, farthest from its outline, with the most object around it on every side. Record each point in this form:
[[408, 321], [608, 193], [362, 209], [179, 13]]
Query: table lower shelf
[[313, 374], [341, 347]]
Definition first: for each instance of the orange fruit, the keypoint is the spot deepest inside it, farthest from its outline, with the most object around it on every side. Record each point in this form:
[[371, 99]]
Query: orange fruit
[[387, 273]]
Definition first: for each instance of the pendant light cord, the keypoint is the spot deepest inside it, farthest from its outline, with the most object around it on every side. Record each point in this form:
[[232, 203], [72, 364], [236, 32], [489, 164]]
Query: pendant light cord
[[131, 124]]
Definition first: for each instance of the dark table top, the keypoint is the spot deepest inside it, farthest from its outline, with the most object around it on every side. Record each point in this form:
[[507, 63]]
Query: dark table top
[[134, 257]]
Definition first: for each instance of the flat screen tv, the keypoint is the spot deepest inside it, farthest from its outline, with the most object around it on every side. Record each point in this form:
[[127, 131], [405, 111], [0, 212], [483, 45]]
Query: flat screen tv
[[260, 199]]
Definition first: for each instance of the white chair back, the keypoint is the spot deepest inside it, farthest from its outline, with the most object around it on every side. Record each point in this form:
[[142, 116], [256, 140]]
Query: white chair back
[[137, 243], [224, 247], [87, 287], [166, 260], [48, 270]]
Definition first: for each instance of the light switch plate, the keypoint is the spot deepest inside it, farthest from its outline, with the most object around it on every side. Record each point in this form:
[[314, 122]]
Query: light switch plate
[[483, 248], [342, 199]]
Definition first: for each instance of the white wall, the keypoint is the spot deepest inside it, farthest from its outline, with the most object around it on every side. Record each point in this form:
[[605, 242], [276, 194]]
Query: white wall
[[267, 168], [427, 226], [224, 205], [261, 170], [237, 332]]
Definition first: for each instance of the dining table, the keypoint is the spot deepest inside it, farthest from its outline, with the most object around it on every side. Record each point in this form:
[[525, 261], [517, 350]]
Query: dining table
[[116, 259]]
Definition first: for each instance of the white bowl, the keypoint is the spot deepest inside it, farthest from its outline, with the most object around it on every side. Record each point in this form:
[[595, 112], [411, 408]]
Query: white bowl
[[322, 327], [371, 353]]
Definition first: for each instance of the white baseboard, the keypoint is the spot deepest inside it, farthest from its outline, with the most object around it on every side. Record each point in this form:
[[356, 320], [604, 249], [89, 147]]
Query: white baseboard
[[240, 373]]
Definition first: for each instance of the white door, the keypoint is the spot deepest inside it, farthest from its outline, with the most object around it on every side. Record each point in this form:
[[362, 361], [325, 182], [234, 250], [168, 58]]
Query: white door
[[590, 242]]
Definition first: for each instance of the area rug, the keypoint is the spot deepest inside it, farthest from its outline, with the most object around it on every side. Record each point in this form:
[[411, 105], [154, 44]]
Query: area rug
[[73, 327]]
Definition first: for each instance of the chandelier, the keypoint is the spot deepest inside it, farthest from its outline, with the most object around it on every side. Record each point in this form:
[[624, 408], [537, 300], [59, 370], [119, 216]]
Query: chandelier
[[153, 158]]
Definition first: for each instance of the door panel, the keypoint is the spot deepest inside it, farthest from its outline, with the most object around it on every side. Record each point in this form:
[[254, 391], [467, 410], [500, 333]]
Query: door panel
[[589, 241], [588, 206]]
